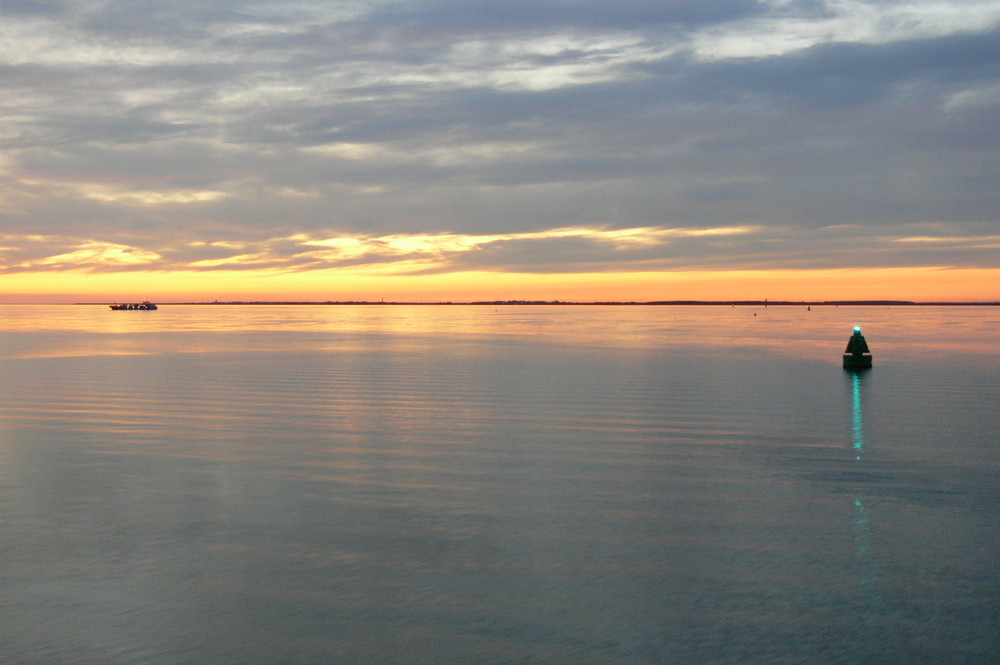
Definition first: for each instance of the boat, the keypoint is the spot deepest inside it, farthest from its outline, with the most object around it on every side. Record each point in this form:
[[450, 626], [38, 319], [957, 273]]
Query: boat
[[144, 305]]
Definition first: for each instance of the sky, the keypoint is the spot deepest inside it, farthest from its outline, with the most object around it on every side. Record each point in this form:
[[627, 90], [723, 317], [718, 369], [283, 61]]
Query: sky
[[519, 149]]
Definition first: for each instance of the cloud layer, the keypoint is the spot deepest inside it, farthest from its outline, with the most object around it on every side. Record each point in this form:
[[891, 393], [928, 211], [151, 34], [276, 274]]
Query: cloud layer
[[559, 136]]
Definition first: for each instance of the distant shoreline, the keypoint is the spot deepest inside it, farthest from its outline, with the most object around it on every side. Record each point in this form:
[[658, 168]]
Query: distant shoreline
[[708, 303]]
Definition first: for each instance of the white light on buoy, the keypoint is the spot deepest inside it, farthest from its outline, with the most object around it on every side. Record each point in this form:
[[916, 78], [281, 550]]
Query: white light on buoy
[[857, 329]]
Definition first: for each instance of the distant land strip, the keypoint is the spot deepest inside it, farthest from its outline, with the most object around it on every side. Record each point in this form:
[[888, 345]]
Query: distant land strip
[[716, 303]]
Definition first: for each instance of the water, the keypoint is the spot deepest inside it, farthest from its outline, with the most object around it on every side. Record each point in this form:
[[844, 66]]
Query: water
[[407, 484]]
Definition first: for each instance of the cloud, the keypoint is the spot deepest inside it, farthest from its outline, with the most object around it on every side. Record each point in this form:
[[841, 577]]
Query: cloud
[[560, 250], [792, 26], [43, 253], [32, 7], [434, 252], [219, 136]]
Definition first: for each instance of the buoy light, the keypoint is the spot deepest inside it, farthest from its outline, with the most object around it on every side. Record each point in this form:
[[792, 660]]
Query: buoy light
[[857, 329]]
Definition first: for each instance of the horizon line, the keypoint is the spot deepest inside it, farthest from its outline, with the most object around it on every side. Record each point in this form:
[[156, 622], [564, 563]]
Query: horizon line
[[765, 302]]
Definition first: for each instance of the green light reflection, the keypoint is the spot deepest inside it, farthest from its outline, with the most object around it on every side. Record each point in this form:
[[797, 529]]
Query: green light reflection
[[858, 426], [868, 573]]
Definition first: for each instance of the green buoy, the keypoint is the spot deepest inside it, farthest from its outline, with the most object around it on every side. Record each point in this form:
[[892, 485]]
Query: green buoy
[[857, 355]]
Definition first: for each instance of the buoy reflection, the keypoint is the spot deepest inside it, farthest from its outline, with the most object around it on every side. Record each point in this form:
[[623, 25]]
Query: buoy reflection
[[861, 523], [858, 426]]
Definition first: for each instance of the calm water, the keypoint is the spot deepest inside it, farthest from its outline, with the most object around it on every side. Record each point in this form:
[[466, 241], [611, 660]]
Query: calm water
[[354, 485]]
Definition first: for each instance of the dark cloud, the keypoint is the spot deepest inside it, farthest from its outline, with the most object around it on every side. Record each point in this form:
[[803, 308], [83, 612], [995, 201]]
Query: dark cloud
[[158, 21], [439, 18], [32, 7], [831, 77]]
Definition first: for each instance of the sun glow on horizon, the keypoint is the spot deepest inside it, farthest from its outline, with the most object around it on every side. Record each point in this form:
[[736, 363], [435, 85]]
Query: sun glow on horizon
[[916, 284], [606, 264]]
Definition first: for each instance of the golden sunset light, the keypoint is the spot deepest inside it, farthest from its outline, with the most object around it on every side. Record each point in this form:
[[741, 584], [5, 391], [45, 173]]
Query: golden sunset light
[[373, 285]]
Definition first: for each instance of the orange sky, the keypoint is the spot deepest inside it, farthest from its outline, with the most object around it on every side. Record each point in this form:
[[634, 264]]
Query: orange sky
[[917, 284]]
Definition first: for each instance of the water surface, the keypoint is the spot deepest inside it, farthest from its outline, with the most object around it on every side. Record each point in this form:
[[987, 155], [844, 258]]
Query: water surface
[[471, 484]]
